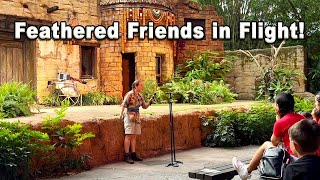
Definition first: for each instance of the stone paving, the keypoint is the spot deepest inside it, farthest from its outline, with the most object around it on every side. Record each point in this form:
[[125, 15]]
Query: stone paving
[[87, 113], [155, 168]]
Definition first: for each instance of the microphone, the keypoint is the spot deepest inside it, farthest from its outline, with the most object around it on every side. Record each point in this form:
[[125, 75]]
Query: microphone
[[154, 95]]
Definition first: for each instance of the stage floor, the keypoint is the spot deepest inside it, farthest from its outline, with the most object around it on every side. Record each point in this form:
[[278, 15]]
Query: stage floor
[[155, 168], [87, 113]]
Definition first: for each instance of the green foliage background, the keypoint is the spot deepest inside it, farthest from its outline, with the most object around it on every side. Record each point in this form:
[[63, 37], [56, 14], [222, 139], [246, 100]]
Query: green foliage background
[[241, 127], [203, 82], [271, 12], [15, 100]]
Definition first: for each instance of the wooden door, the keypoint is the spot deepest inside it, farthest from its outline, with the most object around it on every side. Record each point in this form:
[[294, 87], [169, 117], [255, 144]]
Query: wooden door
[[16, 60], [125, 76], [128, 72]]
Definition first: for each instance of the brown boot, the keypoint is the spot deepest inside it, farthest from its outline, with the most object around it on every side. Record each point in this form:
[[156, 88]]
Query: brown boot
[[135, 157], [127, 158]]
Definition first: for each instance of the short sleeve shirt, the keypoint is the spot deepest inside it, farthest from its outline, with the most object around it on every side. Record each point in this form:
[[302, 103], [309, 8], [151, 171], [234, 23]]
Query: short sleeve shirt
[[132, 101], [281, 128]]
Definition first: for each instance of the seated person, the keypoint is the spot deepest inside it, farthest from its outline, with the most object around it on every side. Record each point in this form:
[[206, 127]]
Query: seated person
[[307, 115], [284, 105], [316, 112], [304, 142]]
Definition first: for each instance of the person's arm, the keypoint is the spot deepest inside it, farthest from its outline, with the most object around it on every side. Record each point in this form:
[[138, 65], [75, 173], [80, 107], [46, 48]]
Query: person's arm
[[121, 114], [145, 105], [124, 105], [277, 134], [275, 140]]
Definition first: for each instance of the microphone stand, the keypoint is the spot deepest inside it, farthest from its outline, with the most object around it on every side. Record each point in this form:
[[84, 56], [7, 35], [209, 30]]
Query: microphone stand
[[174, 162]]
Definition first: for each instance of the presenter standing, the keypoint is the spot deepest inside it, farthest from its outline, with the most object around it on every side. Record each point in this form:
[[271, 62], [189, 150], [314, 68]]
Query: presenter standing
[[131, 117]]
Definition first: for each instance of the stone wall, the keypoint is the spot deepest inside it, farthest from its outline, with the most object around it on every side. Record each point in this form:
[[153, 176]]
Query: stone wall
[[86, 11], [191, 10], [145, 53], [107, 146], [52, 56], [244, 77]]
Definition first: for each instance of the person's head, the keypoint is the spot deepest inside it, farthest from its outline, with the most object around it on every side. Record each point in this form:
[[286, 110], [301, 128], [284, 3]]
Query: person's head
[[284, 104], [307, 115], [305, 137], [137, 86]]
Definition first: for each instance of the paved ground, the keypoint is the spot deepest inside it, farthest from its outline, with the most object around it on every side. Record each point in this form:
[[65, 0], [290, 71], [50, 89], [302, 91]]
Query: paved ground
[[155, 168], [112, 111]]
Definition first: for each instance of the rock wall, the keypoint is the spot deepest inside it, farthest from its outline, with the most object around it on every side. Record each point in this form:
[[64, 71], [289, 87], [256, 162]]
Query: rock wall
[[145, 52], [244, 77], [86, 11], [191, 10], [52, 57], [107, 146]]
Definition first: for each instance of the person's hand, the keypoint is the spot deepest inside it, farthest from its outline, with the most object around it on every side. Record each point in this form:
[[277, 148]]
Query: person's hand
[[151, 101], [121, 116], [314, 114]]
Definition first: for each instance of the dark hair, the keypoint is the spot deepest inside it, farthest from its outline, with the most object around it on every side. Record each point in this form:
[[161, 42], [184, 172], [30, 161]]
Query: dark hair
[[285, 102], [306, 134], [307, 115], [135, 84]]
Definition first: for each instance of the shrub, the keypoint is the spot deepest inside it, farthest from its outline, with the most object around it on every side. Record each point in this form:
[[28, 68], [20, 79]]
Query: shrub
[[208, 66], [90, 99], [303, 105], [93, 98], [239, 127], [17, 146], [67, 139], [111, 100], [150, 87], [15, 100], [98, 98], [198, 92], [280, 79], [52, 100]]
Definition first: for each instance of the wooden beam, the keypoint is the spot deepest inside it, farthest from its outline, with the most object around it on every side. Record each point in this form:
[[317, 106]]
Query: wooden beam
[[84, 43]]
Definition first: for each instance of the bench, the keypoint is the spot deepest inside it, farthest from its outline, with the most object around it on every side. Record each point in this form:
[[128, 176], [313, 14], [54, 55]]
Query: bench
[[216, 172]]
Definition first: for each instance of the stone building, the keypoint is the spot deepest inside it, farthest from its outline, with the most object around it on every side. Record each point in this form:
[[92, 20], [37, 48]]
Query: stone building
[[110, 64]]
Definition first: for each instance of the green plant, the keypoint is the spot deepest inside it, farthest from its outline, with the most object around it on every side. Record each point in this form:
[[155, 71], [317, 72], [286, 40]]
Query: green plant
[[93, 98], [15, 100], [98, 98], [52, 100], [208, 66], [111, 100], [303, 105], [276, 76], [150, 87], [198, 92], [280, 79], [17, 146], [67, 138], [238, 127]]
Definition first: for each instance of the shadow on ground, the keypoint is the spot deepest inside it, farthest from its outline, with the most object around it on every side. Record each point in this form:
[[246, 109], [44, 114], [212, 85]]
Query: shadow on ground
[[155, 168]]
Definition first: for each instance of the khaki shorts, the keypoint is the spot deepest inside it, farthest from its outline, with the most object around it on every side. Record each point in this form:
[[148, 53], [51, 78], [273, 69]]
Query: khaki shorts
[[131, 127]]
